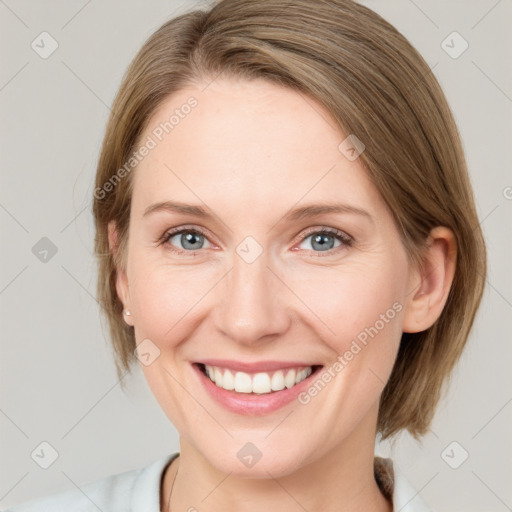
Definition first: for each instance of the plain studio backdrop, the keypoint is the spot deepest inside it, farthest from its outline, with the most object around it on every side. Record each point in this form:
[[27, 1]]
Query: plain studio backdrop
[[62, 64]]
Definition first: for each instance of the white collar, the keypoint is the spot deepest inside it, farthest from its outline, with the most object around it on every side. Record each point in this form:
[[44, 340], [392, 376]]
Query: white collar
[[145, 495]]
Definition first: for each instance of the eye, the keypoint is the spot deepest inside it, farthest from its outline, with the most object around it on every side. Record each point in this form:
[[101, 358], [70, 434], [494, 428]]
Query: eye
[[191, 240], [326, 240]]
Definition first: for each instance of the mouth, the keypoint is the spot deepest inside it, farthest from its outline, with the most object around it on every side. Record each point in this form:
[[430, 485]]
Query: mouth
[[254, 389], [257, 383]]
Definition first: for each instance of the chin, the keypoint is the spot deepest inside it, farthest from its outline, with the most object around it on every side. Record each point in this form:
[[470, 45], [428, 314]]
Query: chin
[[253, 460]]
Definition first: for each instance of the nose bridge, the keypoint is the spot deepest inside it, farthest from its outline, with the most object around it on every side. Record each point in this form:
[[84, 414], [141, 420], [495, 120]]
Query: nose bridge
[[250, 306]]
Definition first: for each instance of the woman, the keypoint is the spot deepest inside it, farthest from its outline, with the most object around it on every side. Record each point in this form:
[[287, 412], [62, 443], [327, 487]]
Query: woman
[[287, 246]]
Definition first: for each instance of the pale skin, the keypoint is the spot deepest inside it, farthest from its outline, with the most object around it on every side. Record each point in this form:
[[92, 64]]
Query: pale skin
[[249, 152]]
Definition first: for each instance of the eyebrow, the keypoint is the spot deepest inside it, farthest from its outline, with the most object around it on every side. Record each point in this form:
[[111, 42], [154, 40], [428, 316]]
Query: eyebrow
[[300, 213]]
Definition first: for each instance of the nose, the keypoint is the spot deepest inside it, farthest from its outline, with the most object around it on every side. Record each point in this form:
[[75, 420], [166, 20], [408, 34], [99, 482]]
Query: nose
[[250, 307]]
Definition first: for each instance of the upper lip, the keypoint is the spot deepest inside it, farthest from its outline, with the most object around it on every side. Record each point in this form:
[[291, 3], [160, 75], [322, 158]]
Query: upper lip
[[254, 367]]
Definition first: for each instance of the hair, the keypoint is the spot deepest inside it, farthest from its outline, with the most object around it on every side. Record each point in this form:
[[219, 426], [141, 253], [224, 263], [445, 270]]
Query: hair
[[376, 86]]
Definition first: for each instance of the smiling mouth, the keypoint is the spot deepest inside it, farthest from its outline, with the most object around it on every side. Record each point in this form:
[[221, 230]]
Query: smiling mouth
[[260, 383]]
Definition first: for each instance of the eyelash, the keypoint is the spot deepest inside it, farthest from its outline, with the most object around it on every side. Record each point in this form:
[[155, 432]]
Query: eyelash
[[346, 240]]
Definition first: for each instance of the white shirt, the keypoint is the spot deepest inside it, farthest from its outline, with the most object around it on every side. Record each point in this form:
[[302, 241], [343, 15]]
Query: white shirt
[[138, 490]]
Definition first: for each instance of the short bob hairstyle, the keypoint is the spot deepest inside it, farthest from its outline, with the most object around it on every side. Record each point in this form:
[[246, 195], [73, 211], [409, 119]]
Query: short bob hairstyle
[[376, 86]]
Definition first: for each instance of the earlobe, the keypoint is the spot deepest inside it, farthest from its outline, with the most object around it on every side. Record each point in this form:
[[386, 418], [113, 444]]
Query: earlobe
[[121, 278], [431, 282]]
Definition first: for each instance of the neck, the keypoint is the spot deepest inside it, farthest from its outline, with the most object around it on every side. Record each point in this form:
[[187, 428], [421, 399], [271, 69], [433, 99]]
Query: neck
[[340, 480]]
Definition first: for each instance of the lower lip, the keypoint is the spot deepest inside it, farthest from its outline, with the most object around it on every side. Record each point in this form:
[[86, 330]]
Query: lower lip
[[250, 404]]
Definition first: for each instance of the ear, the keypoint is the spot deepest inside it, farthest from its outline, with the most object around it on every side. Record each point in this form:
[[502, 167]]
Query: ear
[[430, 284], [123, 291]]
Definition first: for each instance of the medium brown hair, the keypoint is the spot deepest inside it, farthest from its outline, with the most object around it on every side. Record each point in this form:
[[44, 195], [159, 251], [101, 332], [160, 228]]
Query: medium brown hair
[[376, 86]]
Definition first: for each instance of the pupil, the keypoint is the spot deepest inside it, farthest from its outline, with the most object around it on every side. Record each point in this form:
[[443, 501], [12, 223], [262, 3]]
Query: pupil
[[321, 239], [190, 238]]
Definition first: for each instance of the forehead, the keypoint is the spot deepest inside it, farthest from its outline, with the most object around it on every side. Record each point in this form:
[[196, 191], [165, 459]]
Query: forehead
[[252, 141]]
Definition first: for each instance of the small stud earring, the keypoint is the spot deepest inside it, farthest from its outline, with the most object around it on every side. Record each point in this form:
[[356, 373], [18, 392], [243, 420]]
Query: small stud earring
[[126, 312]]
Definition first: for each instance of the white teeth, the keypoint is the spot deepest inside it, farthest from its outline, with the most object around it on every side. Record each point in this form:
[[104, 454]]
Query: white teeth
[[303, 374], [277, 383], [229, 381], [260, 383], [289, 380], [219, 376], [243, 382]]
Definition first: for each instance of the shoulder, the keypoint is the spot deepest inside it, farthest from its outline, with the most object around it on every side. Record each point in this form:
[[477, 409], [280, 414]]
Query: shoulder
[[130, 490], [104, 494]]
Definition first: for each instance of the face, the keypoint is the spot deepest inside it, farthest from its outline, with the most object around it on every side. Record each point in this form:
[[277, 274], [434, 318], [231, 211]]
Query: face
[[258, 284]]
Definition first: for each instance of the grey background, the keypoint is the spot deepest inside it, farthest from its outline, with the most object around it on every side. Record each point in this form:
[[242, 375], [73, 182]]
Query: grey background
[[57, 378]]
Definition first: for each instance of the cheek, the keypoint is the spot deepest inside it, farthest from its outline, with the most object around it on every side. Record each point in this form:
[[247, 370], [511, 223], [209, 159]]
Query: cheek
[[166, 298], [353, 302], [362, 304], [358, 315]]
